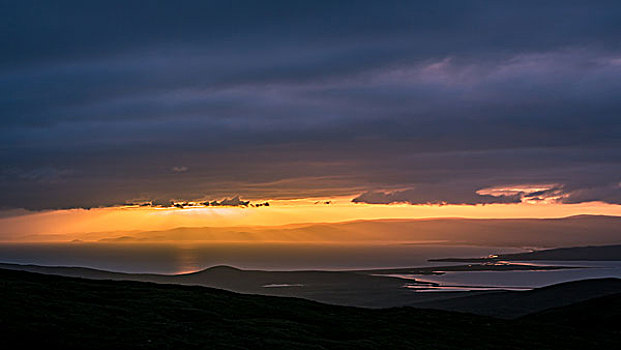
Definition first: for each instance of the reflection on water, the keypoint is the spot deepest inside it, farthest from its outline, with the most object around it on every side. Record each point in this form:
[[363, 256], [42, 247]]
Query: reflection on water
[[524, 279], [168, 258], [447, 288], [282, 285], [187, 260]]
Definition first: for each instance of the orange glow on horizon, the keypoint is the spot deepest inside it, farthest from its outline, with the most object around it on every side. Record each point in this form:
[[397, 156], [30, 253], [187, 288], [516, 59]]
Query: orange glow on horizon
[[280, 212]]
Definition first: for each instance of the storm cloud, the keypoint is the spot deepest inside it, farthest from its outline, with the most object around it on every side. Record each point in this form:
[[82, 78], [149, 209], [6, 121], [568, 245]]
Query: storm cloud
[[105, 102]]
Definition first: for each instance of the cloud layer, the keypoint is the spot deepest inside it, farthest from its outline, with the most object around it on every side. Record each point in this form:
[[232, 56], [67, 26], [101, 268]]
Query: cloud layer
[[105, 103]]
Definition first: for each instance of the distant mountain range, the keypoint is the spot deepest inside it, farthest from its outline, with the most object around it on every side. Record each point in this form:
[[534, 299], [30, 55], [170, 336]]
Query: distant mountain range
[[569, 231]]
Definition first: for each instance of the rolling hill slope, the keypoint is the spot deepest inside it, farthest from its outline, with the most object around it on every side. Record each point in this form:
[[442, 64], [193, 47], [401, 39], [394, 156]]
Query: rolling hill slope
[[513, 304], [47, 311]]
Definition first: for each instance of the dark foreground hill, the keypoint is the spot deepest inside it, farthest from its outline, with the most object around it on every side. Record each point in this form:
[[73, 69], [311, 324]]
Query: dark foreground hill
[[513, 304], [596, 314], [48, 311], [361, 288], [350, 288]]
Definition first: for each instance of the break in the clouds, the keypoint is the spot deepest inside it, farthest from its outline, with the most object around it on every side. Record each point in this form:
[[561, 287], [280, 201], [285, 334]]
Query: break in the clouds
[[104, 102]]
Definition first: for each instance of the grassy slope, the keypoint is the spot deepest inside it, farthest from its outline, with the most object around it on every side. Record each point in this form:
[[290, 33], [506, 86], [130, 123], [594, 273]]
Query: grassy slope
[[596, 314], [51, 310], [512, 304]]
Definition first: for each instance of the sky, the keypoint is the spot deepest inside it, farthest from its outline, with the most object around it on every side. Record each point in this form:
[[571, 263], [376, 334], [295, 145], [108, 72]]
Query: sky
[[472, 105]]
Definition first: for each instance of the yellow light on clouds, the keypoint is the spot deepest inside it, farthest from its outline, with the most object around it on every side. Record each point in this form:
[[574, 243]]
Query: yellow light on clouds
[[280, 212]]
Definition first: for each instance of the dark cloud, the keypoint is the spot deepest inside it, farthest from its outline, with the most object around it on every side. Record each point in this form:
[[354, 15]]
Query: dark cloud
[[438, 195], [105, 102], [228, 202], [610, 193]]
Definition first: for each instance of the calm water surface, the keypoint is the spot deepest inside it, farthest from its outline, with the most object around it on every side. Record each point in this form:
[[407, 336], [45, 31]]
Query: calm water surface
[[170, 259], [525, 279]]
